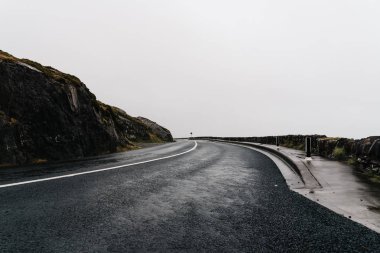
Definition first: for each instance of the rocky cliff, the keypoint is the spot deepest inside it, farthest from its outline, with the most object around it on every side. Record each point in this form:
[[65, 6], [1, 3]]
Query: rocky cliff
[[47, 115], [158, 130]]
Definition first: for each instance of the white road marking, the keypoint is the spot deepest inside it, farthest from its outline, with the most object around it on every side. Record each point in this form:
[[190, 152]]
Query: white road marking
[[99, 170]]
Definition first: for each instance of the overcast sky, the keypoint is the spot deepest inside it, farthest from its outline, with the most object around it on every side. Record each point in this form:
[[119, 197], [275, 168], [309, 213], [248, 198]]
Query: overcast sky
[[214, 67]]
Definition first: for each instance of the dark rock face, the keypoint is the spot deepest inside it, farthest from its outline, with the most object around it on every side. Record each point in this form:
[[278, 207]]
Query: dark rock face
[[49, 115], [363, 148], [158, 130], [365, 151]]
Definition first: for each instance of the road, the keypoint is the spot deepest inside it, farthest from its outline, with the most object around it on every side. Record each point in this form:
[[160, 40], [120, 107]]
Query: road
[[217, 197]]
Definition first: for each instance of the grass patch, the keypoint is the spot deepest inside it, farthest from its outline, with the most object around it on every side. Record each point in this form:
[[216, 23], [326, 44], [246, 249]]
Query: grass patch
[[154, 138], [352, 161], [6, 56], [126, 148], [300, 147], [53, 73], [372, 177], [293, 145], [7, 165], [48, 71], [339, 153], [39, 161]]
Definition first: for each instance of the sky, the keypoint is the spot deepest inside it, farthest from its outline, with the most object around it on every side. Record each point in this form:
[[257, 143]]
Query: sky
[[214, 67]]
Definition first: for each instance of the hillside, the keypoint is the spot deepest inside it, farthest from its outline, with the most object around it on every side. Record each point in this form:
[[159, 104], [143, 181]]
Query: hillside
[[47, 115], [158, 130]]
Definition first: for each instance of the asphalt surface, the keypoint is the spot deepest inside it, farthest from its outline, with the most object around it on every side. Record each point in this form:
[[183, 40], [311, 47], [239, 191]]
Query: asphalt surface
[[218, 197]]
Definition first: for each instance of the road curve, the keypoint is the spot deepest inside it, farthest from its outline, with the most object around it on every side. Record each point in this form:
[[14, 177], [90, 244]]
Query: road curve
[[218, 197]]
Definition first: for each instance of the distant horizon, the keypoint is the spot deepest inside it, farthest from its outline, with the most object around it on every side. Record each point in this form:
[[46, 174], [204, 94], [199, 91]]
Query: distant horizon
[[347, 137], [230, 68]]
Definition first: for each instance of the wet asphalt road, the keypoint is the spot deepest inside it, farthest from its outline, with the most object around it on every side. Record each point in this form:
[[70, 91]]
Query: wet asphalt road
[[218, 197]]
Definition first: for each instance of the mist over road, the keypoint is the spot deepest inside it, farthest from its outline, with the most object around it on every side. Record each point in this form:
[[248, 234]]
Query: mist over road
[[214, 197]]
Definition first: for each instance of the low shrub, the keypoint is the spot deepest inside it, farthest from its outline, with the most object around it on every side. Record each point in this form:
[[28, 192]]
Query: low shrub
[[352, 161], [339, 153]]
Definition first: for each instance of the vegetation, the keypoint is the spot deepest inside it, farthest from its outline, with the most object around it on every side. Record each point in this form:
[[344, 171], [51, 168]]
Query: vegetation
[[53, 73], [372, 176], [39, 161], [126, 148], [329, 139], [6, 56], [353, 161], [13, 121], [293, 145], [110, 112], [339, 153], [155, 138], [48, 71], [8, 120]]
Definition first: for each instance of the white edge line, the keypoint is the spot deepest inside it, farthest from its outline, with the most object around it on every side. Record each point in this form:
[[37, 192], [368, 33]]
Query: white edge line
[[96, 171]]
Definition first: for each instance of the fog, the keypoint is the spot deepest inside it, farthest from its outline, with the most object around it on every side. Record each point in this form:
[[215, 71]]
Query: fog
[[212, 67]]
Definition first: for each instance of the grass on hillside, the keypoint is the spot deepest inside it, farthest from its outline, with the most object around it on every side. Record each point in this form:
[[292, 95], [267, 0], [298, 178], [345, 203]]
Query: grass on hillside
[[47, 70]]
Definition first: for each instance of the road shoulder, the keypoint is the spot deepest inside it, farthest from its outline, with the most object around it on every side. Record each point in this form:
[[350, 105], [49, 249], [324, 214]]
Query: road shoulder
[[329, 183]]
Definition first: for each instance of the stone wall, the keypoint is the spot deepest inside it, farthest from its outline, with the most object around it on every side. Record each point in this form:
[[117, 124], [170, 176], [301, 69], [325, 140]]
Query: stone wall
[[363, 153]]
